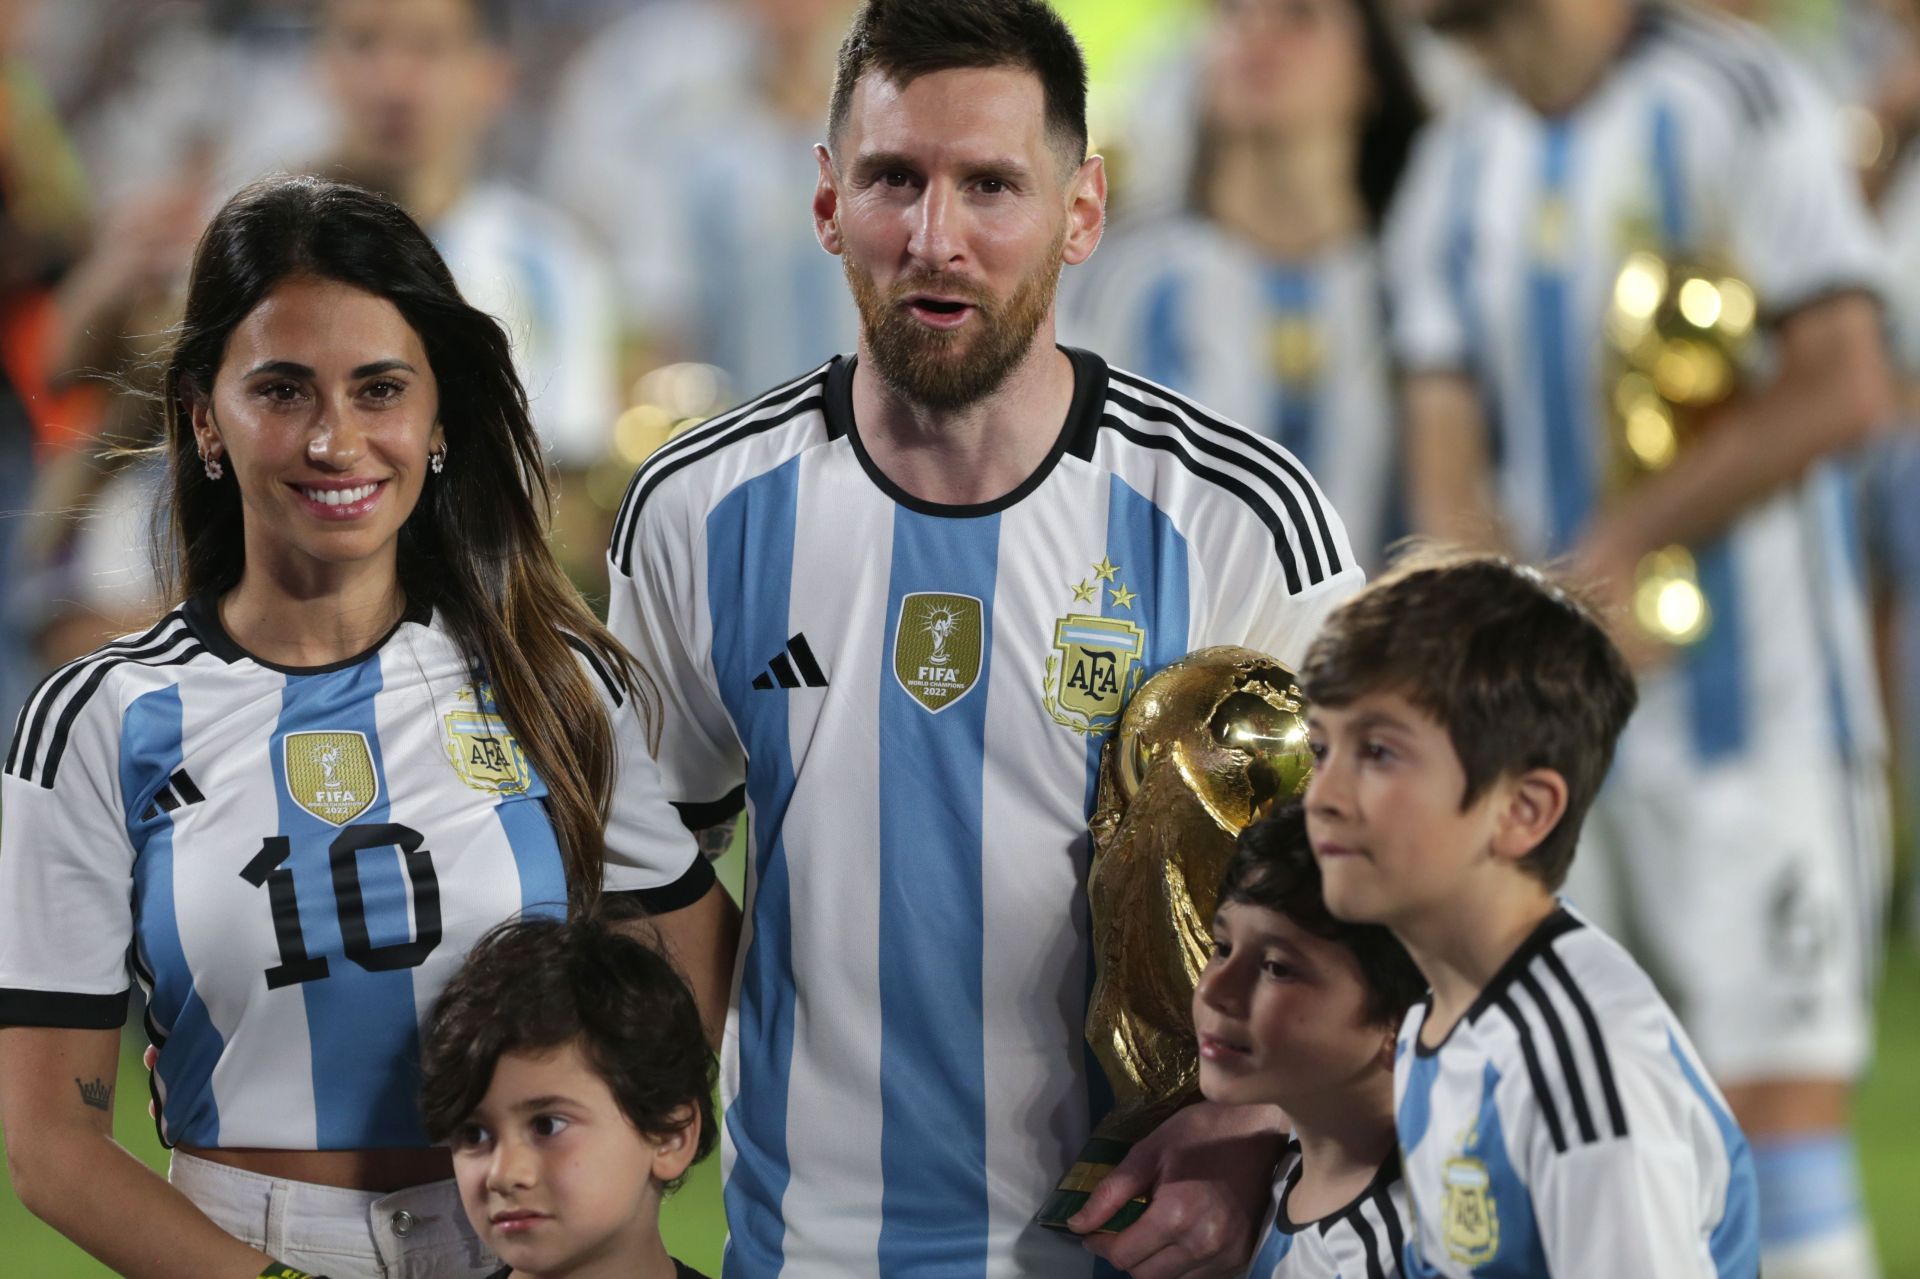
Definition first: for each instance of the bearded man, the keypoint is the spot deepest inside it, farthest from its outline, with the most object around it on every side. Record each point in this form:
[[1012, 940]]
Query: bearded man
[[905, 1075]]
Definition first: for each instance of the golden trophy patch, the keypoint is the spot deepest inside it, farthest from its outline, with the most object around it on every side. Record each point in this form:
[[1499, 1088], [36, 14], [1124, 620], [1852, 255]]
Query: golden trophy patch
[[937, 647], [330, 774], [481, 749], [1469, 1221]]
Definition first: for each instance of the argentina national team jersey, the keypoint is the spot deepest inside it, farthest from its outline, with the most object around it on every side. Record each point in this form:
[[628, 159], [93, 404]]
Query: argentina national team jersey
[[1364, 1240], [1295, 350], [1501, 256], [914, 697], [1566, 1127], [292, 862]]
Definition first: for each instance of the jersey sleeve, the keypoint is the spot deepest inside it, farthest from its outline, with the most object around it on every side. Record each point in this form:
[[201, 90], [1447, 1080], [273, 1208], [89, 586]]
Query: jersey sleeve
[[66, 877], [1636, 1198], [1426, 329], [1800, 228], [656, 610]]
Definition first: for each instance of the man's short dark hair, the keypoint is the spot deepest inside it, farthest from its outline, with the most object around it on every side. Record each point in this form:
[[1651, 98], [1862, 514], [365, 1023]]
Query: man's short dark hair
[[1273, 867], [534, 985], [906, 39], [1513, 665]]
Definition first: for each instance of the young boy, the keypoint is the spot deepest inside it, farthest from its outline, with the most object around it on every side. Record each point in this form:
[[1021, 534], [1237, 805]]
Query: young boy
[[1553, 1116], [1298, 1010], [566, 1067]]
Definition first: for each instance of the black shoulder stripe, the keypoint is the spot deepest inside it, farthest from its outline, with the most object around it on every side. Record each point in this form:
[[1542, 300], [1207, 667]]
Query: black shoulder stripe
[[586, 650], [1539, 1077], [94, 665], [650, 476], [1275, 456], [1168, 444], [1390, 1215], [50, 687], [57, 747], [1371, 1242], [1563, 1049], [1750, 79], [1616, 1113], [674, 453]]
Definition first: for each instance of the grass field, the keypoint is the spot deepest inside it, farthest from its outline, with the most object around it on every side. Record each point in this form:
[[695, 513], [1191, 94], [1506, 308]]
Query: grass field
[[694, 1228]]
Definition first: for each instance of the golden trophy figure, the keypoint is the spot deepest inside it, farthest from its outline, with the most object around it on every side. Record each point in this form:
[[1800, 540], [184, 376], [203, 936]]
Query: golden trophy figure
[[1677, 331], [1205, 746]]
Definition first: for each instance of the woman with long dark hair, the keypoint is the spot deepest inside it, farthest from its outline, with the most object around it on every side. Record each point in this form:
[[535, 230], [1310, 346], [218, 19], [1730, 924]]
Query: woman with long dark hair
[[379, 723], [1260, 295]]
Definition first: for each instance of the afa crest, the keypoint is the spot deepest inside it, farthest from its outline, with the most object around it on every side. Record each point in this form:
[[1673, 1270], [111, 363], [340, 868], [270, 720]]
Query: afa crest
[[330, 774], [481, 749], [1096, 661], [937, 647], [1469, 1219]]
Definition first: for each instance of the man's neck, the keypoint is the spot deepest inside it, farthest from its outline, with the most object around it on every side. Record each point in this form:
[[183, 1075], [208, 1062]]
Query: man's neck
[[974, 454], [1291, 197], [1461, 946], [427, 191], [1343, 1142], [1553, 53]]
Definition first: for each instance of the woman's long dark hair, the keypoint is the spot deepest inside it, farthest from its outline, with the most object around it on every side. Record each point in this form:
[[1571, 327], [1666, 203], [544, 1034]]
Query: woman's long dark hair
[[1395, 113], [475, 546]]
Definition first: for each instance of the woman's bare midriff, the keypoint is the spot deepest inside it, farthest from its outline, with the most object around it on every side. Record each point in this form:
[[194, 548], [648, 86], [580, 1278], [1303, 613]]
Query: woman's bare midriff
[[383, 1171]]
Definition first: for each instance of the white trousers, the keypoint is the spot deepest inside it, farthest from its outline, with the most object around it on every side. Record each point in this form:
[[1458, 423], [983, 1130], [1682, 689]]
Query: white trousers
[[418, 1233]]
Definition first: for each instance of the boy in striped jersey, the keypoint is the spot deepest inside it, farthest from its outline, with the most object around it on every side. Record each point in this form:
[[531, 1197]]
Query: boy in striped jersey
[[1299, 1010], [1554, 1118]]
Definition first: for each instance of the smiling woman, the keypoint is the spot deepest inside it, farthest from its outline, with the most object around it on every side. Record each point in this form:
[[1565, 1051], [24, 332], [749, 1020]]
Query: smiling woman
[[379, 723]]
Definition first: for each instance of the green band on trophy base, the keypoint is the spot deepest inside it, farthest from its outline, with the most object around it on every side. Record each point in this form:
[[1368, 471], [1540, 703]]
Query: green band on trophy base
[[1096, 1160]]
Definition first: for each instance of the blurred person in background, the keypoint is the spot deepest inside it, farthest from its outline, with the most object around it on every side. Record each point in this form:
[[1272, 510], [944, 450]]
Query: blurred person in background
[[1262, 299], [684, 135], [43, 223], [1742, 828], [418, 86]]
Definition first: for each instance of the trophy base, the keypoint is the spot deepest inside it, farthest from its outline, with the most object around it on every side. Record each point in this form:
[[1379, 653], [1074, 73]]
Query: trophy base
[[1096, 1160]]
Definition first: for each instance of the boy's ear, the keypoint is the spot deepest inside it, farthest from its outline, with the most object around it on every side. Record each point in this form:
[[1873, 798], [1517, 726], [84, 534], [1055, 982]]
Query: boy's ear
[[1536, 800], [673, 1152]]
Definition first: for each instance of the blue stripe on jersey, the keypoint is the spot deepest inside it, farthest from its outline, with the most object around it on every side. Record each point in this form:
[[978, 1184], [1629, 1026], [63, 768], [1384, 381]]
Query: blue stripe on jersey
[[1520, 1255], [933, 1110], [1272, 1252], [1735, 1241], [1560, 355], [1416, 1100], [150, 748], [536, 855], [1809, 1187], [1162, 350], [1839, 567], [1715, 668], [750, 551], [1293, 299], [363, 1025]]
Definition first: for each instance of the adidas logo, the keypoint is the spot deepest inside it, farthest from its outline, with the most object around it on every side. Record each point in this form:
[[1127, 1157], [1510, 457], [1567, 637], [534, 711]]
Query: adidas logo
[[178, 790], [800, 672]]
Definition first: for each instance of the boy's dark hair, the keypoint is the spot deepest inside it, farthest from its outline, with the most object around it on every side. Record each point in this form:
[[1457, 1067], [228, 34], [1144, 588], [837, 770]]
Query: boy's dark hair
[[536, 984], [1516, 668], [906, 39], [1273, 867]]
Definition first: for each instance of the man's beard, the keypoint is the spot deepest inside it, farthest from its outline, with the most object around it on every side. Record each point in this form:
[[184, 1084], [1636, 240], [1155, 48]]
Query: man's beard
[[951, 368]]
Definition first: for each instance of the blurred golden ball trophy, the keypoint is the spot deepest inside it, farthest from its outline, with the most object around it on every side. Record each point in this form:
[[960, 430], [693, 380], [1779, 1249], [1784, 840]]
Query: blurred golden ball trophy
[[1678, 331], [1205, 747]]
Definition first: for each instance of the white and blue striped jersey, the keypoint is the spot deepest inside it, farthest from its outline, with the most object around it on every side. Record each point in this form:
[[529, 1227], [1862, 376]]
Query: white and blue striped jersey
[[1295, 350], [528, 264], [1565, 1127], [911, 699], [1500, 258], [1364, 1240], [292, 863]]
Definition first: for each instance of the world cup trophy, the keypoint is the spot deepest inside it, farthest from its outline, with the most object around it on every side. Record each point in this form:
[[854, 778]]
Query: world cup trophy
[[1206, 746], [1677, 333]]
